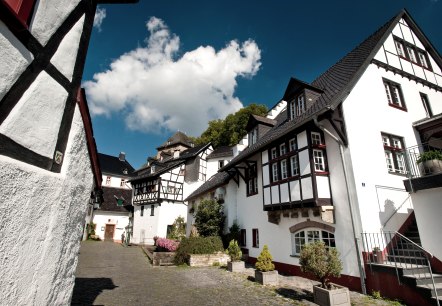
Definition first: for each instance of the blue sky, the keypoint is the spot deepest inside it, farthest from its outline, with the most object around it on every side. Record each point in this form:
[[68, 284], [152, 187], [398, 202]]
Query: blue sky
[[160, 66]]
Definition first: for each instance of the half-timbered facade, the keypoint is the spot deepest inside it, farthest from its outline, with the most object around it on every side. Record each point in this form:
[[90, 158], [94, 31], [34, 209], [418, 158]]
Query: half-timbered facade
[[333, 166], [47, 151], [160, 188]]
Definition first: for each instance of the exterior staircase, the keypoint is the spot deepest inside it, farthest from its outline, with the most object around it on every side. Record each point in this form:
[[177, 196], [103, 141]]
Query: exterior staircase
[[404, 253]]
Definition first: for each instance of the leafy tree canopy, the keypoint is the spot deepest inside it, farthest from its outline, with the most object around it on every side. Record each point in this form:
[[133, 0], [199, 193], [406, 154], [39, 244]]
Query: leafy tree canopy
[[229, 131], [209, 218]]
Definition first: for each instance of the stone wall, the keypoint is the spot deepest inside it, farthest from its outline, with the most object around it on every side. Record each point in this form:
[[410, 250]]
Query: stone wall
[[163, 258], [207, 260]]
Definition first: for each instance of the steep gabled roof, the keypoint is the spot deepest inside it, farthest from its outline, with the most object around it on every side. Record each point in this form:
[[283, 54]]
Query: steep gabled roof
[[336, 83], [255, 120], [114, 166], [110, 202], [164, 166], [176, 139], [217, 180], [223, 151]]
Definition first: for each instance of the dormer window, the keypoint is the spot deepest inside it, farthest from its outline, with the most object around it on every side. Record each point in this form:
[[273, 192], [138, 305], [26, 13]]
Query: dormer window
[[300, 105], [292, 110], [152, 169], [253, 136]]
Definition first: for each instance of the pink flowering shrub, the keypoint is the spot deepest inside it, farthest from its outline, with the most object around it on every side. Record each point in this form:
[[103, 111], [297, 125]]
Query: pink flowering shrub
[[167, 245]]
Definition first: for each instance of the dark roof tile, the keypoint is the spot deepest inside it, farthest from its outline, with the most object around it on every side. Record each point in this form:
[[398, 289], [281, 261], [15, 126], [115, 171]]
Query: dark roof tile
[[113, 165]]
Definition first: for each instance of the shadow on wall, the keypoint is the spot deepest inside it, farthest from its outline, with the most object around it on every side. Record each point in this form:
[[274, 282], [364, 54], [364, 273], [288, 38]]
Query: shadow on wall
[[86, 290]]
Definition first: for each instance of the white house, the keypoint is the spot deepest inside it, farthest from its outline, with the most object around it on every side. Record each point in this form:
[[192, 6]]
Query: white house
[[332, 167], [48, 157], [115, 214], [160, 187]]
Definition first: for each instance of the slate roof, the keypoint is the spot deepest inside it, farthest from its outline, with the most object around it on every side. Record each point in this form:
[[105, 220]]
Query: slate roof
[[110, 203], [175, 139], [164, 166], [336, 83], [217, 180], [223, 151], [113, 165]]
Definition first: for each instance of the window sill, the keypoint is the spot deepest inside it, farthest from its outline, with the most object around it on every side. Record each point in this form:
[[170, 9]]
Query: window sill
[[319, 146], [397, 173], [295, 256], [398, 107], [322, 172], [251, 194], [255, 246]]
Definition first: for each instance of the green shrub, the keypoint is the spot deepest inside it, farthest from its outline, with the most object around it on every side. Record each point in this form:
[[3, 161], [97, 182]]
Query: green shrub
[[197, 245], [233, 233], [321, 261], [429, 155], [234, 251], [264, 262]]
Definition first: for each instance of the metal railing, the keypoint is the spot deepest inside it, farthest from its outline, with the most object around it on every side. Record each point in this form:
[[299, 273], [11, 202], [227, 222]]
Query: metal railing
[[418, 168], [395, 250]]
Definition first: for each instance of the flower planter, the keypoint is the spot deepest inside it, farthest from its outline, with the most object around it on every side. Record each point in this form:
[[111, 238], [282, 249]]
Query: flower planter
[[337, 296], [430, 167], [235, 266], [266, 278]]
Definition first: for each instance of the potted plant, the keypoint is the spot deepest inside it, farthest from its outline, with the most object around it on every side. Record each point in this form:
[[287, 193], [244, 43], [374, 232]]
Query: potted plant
[[265, 272], [235, 264], [377, 255], [430, 162], [323, 262]]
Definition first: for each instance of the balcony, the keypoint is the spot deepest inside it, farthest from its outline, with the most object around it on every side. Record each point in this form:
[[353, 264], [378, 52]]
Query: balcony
[[425, 166]]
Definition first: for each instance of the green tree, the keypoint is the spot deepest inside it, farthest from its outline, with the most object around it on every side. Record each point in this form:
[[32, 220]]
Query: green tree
[[209, 218], [321, 261], [234, 251], [178, 231], [229, 131]]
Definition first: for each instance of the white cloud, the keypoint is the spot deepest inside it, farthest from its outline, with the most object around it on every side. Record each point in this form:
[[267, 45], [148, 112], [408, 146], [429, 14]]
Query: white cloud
[[100, 14], [155, 91]]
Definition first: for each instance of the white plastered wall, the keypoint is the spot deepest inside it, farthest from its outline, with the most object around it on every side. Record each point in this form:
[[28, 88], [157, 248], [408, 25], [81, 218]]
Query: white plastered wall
[[119, 219], [43, 215], [428, 210]]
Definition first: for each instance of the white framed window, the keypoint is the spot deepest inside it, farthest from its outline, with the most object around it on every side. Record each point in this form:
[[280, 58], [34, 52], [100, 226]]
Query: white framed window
[[253, 137], [220, 164], [318, 159], [292, 110], [316, 138], [300, 106], [252, 181], [423, 59], [273, 153], [275, 172], [255, 236], [394, 153], [283, 169], [302, 237], [426, 104], [394, 94], [123, 183], [282, 149], [108, 180], [399, 48], [292, 144], [411, 54], [294, 164]]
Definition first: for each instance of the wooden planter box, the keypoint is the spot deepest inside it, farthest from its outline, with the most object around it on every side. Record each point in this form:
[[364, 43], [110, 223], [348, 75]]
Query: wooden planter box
[[337, 296], [266, 278], [235, 266]]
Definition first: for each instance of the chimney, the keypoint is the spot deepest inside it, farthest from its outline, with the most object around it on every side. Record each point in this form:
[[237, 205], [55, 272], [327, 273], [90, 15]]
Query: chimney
[[122, 156]]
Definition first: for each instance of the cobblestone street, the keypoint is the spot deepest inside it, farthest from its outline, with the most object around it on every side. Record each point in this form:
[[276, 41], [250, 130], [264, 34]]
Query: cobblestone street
[[110, 274]]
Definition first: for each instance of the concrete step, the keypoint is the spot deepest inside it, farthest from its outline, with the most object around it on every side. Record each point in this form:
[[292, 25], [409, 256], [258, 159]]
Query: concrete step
[[407, 259], [430, 287], [425, 278]]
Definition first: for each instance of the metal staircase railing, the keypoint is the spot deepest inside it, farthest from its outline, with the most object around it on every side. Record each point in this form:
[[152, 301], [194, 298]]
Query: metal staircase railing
[[395, 250]]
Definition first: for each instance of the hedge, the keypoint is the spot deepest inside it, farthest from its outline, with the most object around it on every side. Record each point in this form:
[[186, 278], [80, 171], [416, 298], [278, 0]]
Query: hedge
[[197, 245]]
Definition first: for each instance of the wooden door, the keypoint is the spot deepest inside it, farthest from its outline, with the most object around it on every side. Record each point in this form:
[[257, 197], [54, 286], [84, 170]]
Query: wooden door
[[109, 232]]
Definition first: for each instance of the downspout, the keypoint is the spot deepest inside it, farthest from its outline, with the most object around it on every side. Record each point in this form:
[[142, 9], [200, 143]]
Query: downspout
[[350, 202]]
